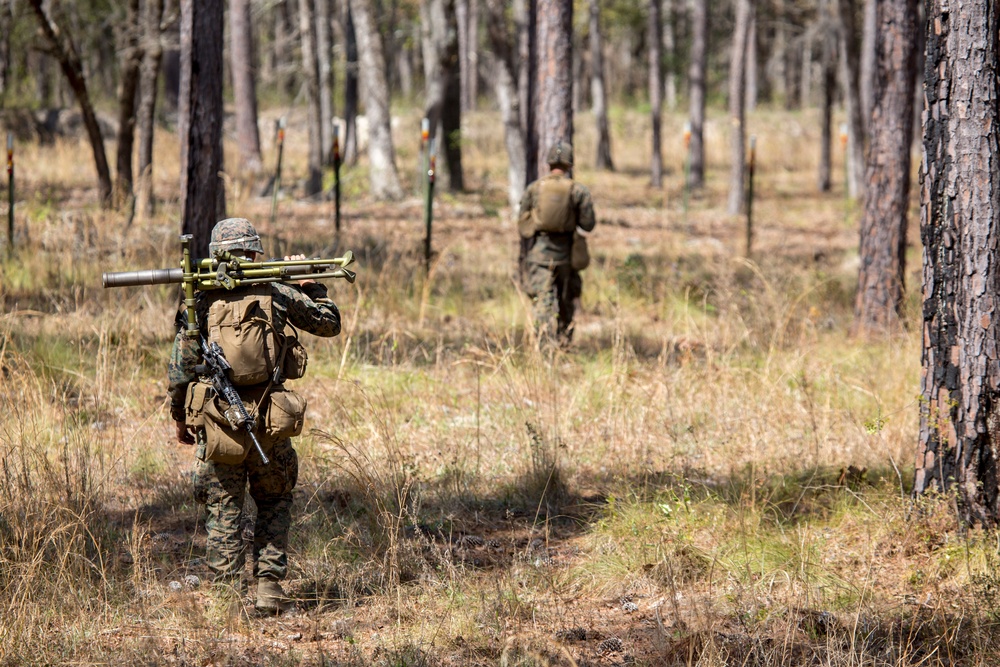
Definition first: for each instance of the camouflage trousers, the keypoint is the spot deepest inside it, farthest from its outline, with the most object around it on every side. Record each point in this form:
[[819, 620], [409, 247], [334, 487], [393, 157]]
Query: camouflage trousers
[[222, 489], [554, 290]]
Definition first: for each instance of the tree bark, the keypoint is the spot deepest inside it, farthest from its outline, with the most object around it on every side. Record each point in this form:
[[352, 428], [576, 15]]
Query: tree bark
[[310, 76], [324, 46], [696, 92], [6, 26], [850, 74], [881, 278], [382, 173], [351, 95], [460, 13], [69, 61], [598, 92], [737, 110], [750, 85], [199, 122], [149, 75], [130, 52], [241, 65], [504, 67], [653, 35], [960, 209], [526, 16], [669, 42], [555, 76]]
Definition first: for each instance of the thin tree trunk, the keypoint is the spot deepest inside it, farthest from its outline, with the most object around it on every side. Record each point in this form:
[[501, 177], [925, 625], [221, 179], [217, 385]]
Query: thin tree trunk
[[669, 41], [850, 68], [881, 280], [829, 64], [555, 76], [324, 46], [241, 65], [867, 65], [148, 78], [653, 34], [442, 76], [504, 67], [130, 51], [6, 25], [69, 60], [696, 92], [383, 176], [960, 196], [751, 64], [598, 92], [451, 130], [472, 84], [737, 111], [806, 72], [460, 13], [199, 122], [310, 75], [350, 86], [526, 12]]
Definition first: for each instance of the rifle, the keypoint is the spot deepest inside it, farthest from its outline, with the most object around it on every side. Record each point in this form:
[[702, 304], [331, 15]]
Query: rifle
[[214, 369], [226, 271]]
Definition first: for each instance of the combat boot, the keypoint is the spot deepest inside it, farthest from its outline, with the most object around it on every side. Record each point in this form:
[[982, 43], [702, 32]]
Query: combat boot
[[271, 597]]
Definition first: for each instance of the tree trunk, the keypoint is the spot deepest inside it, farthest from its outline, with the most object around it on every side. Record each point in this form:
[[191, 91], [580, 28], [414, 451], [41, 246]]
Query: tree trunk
[[696, 92], [241, 65], [829, 64], [526, 13], [867, 64], [737, 99], [878, 305], [850, 73], [130, 52], [383, 177], [960, 208], [653, 35], [669, 42], [504, 67], [6, 26], [472, 83], [310, 77], [171, 80], [350, 86], [598, 92], [324, 46], [750, 86], [442, 75], [555, 76], [460, 14], [149, 75], [69, 60], [199, 122]]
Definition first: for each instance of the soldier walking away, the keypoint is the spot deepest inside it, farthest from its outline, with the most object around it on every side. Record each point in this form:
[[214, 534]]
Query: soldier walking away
[[554, 210], [255, 327]]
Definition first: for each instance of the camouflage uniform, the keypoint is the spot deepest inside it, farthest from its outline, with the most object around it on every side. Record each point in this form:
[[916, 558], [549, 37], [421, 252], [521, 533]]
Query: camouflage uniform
[[222, 487], [548, 277]]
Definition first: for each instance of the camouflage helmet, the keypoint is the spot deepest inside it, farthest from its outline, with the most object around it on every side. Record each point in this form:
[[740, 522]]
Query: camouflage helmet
[[235, 234], [560, 154]]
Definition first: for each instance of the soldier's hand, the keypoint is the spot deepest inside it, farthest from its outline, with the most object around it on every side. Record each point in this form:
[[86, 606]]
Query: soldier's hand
[[290, 258], [184, 436]]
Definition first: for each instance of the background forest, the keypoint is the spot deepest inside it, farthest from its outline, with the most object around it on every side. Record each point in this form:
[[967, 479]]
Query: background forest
[[734, 463]]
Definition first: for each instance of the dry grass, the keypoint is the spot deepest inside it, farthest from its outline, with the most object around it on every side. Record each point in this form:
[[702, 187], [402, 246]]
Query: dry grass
[[684, 487]]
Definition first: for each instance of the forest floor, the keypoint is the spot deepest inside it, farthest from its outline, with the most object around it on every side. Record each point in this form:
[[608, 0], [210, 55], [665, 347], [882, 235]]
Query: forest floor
[[715, 473]]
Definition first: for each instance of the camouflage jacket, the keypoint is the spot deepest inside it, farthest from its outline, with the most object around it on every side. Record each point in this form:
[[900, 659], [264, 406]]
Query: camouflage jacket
[[554, 249], [306, 307]]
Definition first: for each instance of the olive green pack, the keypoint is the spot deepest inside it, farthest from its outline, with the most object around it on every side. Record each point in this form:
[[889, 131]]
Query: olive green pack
[[553, 211]]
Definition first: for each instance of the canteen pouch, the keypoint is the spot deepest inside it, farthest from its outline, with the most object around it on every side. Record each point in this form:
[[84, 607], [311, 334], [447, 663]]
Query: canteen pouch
[[241, 323], [286, 413], [579, 255], [293, 366]]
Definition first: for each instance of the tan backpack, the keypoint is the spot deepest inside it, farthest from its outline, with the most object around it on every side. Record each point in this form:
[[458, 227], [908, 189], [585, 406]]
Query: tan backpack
[[242, 323], [554, 212]]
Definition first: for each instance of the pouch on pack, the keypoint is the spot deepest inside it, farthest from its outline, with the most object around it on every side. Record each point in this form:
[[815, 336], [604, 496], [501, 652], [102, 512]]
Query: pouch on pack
[[579, 254]]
